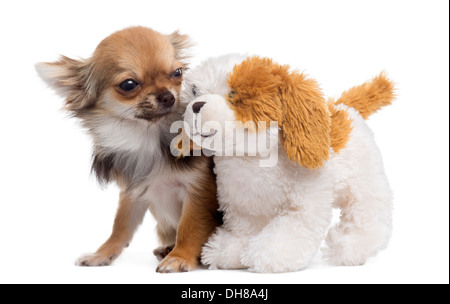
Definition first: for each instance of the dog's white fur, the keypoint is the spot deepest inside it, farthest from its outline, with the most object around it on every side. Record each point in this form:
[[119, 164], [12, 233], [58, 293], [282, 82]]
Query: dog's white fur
[[276, 218]]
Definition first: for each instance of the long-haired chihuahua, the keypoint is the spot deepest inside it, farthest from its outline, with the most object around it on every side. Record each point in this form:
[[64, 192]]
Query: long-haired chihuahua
[[127, 96]]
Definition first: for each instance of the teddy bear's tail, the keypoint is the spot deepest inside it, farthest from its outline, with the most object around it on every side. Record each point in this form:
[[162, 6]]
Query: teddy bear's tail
[[369, 97]]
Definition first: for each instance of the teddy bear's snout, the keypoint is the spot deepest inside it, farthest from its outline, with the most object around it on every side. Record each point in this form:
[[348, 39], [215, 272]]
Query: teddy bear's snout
[[196, 107]]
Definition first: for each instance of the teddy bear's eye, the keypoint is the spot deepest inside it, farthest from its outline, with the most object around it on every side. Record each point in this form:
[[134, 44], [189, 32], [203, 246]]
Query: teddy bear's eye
[[231, 97]]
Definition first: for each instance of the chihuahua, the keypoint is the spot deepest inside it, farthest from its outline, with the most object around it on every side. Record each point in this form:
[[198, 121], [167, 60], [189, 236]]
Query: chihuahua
[[127, 95]]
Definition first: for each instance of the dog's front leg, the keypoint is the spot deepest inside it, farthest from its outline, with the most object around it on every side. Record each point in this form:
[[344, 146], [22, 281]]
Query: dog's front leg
[[128, 217], [197, 223]]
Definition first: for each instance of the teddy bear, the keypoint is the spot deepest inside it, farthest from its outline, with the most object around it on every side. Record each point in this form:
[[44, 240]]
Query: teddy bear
[[284, 157]]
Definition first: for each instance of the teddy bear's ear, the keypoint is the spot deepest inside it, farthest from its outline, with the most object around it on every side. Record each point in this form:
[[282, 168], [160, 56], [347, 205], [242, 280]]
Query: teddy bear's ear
[[265, 91], [306, 121], [254, 91]]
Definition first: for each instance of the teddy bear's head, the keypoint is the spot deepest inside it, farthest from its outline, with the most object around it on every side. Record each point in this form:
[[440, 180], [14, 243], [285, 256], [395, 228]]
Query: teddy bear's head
[[258, 97]]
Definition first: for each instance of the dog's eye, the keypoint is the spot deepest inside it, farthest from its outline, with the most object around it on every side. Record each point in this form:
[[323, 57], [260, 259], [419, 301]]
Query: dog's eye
[[128, 85], [194, 90], [177, 73]]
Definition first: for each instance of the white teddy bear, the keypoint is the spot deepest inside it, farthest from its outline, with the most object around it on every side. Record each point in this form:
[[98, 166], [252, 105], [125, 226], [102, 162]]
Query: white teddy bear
[[284, 157]]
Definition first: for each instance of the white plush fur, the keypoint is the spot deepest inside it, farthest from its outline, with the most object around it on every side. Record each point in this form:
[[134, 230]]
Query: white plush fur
[[275, 218]]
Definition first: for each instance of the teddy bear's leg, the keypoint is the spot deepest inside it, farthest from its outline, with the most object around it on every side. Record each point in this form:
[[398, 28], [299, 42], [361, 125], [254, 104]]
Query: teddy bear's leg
[[223, 250], [365, 224], [289, 241]]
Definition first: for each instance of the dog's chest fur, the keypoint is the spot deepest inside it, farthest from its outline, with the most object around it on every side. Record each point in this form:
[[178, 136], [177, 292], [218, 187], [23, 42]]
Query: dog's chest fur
[[137, 156], [124, 150]]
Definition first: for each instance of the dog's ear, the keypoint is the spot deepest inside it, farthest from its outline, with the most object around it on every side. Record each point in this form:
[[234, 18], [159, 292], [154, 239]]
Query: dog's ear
[[306, 121], [72, 79], [181, 44]]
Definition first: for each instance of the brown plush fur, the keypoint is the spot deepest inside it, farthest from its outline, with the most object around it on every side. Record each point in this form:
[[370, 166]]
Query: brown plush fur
[[369, 97], [341, 127], [254, 92], [264, 91]]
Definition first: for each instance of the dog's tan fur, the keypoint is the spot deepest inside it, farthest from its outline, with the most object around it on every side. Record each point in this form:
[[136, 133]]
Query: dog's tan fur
[[130, 131]]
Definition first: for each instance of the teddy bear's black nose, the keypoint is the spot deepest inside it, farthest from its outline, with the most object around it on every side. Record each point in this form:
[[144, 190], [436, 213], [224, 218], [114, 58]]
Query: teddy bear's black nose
[[197, 106]]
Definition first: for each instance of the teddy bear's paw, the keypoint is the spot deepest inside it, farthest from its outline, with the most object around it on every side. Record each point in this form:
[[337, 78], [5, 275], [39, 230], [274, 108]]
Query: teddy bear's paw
[[211, 256], [340, 252], [338, 255], [275, 255], [352, 247], [223, 251]]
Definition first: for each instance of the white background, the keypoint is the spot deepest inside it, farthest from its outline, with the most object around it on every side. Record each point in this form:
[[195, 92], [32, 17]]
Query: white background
[[52, 210]]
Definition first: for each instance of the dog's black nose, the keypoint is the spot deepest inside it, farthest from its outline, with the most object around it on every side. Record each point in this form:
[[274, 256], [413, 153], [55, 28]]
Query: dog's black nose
[[197, 106], [166, 99]]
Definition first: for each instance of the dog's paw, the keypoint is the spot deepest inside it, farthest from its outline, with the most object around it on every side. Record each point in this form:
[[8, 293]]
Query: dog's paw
[[162, 252], [172, 263], [94, 259]]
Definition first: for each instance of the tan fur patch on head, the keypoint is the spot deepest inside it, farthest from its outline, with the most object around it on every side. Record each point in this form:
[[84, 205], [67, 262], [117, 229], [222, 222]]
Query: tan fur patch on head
[[369, 97], [136, 53], [254, 91], [341, 127], [144, 55], [264, 91]]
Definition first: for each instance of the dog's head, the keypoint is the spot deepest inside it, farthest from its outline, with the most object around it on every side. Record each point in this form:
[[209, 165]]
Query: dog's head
[[135, 73], [259, 92]]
